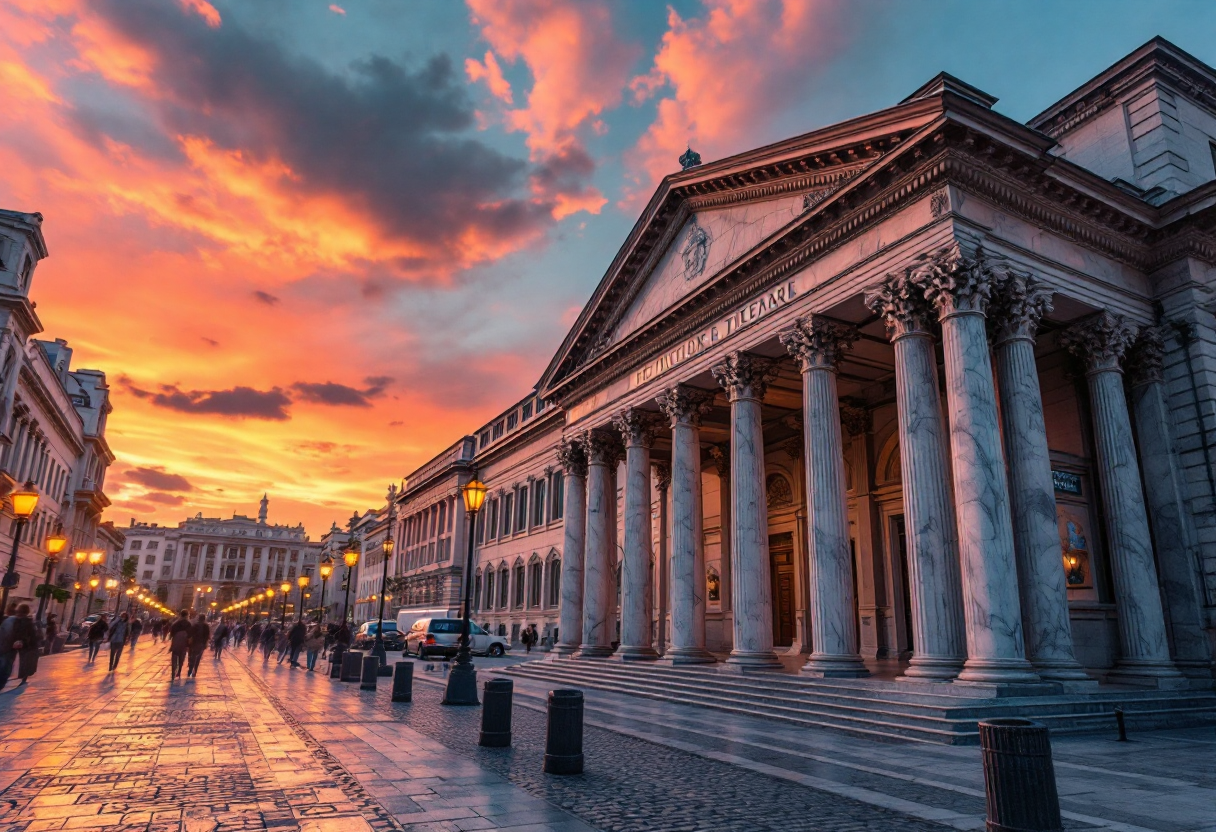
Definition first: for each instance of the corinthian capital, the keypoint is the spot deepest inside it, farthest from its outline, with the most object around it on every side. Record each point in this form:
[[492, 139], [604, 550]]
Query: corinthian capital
[[636, 426], [901, 303], [685, 405], [952, 281], [1100, 341], [1146, 360], [601, 447], [1018, 304], [571, 457], [816, 342], [745, 376]]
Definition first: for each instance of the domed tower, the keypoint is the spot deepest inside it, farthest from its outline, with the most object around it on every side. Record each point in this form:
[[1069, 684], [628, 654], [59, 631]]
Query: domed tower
[[263, 508]]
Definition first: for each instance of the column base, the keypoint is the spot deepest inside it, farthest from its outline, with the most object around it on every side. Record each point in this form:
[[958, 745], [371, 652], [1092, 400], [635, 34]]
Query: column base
[[631, 653], [744, 662], [1161, 675], [931, 669], [593, 651], [687, 655], [822, 666], [561, 652], [998, 671], [1198, 671], [1071, 674]]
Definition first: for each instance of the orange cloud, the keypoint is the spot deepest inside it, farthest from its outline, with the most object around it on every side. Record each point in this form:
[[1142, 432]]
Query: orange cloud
[[491, 73], [204, 10], [722, 76]]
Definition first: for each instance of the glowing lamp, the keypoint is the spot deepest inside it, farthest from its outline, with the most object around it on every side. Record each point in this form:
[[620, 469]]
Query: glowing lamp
[[350, 557], [387, 546], [285, 587], [474, 495], [81, 557], [25, 501], [96, 557], [94, 581], [326, 569], [55, 543], [302, 581]]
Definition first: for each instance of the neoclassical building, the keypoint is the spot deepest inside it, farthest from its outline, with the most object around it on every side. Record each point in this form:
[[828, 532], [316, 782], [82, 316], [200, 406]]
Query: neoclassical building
[[929, 390]]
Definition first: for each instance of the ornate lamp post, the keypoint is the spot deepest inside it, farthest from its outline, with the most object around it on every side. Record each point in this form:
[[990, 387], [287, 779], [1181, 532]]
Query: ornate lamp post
[[350, 557], [326, 569], [94, 582], [302, 583], [80, 557], [54, 545], [111, 585], [462, 681], [130, 599], [378, 647], [285, 589], [24, 502]]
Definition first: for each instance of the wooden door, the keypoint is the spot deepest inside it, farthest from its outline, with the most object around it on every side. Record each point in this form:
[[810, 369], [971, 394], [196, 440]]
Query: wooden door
[[781, 550]]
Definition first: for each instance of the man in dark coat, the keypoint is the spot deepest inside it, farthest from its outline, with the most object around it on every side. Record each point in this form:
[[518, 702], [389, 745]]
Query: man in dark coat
[[221, 636], [200, 635], [295, 641], [179, 644], [255, 635], [18, 645]]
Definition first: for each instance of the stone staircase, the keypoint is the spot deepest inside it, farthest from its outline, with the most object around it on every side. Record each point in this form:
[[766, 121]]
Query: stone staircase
[[874, 708]]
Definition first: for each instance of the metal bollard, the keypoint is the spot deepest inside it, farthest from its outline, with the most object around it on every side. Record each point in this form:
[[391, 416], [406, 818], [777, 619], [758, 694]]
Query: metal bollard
[[496, 713], [352, 665], [371, 670], [335, 662], [1122, 725], [564, 740], [403, 681], [1019, 779]]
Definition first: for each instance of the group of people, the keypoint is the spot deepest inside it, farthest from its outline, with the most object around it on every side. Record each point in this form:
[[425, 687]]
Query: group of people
[[289, 642]]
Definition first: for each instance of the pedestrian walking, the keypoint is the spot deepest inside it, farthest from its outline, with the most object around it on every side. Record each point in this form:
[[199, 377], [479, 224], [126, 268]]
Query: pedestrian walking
[[179, 644], [97, 632], [18, 645], [268, 640], [296, 637], [282, 645], [255, 635], [314, 643], [342, 637], [200, 636], [221, 638], [238, 635], [137, 627], [52, 632], [528, 638], [158, 629], [118, 639]]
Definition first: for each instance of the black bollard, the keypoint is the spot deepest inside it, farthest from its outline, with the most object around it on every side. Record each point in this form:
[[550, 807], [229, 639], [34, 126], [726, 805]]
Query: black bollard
[[371, 670], [1019, 780], [403, 682], [496, 713], [1122, 725], [564, 741], [352, 665], [335, 662]]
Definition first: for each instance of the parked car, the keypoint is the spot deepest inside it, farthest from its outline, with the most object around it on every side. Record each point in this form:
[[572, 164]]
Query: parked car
[[441, 637], [407, 617], [365, 636]]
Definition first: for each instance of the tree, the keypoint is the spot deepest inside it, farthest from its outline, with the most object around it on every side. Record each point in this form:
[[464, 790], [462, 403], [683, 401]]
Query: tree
[[130, 566], [57, 594]]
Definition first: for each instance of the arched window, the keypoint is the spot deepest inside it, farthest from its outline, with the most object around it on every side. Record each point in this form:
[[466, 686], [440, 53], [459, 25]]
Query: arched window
[[555, 583], [536, 578], [490, 589], [504, 586], [519, 585]]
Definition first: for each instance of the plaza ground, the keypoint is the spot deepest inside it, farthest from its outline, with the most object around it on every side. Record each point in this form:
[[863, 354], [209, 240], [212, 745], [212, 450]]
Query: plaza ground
[[261, 746]]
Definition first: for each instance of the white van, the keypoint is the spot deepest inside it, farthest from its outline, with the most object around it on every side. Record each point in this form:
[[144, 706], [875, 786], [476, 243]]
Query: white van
[[406, 618]]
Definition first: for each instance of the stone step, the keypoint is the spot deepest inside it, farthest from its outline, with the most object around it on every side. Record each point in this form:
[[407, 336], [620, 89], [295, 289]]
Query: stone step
[[876, 712]]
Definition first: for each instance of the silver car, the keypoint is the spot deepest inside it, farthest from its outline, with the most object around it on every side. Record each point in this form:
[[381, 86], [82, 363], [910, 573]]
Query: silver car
[[441, 637]]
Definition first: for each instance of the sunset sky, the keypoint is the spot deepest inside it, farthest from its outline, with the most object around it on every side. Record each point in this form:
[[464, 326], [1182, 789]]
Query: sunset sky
[[312, 244]]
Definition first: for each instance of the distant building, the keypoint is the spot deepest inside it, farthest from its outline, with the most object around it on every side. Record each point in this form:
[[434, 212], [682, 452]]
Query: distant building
[[210, 559], [52, 425]]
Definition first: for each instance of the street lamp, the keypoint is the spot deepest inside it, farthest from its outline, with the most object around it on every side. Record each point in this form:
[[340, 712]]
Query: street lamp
[[268, 596], [462, 681], [111, 585], [284, 588], [131, 599], [94, 582], [326, 569], [24, 502], [350, 557], [302, 582], [80, 557], [378, 647], [54, 545]]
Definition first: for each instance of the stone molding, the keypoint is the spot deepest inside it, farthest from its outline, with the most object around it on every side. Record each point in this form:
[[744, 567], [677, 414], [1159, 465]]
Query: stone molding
[[1016, 307], [571, 457], [684, 404], [637, 427], [1100, 341], [601, 447], [745, 376], [1145, 362], [720, 454], [816, 342], [952, 281], [662, 475]]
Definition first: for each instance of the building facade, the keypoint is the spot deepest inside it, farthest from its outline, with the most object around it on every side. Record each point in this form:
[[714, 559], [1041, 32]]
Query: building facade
[[929, 385], [52, 427], [206, 560]]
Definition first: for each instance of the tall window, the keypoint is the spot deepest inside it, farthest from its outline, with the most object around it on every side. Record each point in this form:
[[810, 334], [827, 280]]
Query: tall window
[[555, 583], [558, 501], [519, 586], [492, 525], [521, 514], [490, 590], [481, 528], [508, 500], [535, 581], [503, 581], [538, 503]]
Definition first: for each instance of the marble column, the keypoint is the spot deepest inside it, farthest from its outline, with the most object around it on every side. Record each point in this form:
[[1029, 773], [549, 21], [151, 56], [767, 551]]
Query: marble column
[[1101, 342], [745, 378], [602, 450], [816, 344], [720, 454], [662, 481], [684, 406], [938, 646], [1018, 304], [637, 431], [574, 525], [1173, 527], [959, 287]]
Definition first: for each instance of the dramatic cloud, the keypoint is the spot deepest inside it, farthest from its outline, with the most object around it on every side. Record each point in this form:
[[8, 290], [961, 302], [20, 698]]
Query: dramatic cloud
[[164, 499], [239, 402], [158, 478], [265, 297], [332, 393]]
